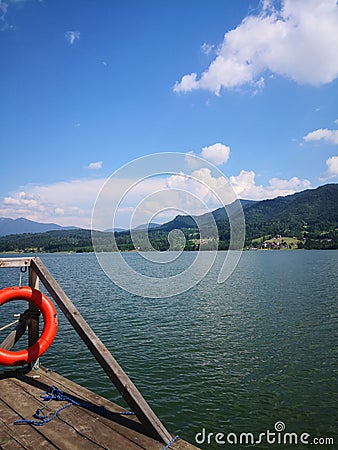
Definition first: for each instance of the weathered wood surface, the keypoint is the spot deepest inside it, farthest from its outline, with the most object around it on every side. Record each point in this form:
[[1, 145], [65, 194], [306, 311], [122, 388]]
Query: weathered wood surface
[[74, 427], [33, 322], [15, 262], [14, 336]]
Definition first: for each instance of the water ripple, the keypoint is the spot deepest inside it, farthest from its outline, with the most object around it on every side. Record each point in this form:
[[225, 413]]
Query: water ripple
[[229, 357]]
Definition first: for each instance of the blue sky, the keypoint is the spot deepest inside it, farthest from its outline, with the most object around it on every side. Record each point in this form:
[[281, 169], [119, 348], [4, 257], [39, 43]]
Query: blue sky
[[87, 87]]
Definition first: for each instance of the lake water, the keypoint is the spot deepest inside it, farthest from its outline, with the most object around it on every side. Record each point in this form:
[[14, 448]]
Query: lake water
[[231, 358]]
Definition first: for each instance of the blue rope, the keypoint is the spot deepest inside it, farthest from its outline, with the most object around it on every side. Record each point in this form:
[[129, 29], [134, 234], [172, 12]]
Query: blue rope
[[43, 418], [171, 442], [56, 394]]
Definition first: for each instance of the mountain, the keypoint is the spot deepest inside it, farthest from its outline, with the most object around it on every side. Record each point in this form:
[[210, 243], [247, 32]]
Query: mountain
[[144, 226], [148, 226], [219, 216], [310, 205], [303, 208], [309, 217], [304, 214], [21, 225]]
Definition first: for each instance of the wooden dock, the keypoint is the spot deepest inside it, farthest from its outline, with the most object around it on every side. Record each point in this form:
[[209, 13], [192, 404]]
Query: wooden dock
[[74, 427], [94, 422]]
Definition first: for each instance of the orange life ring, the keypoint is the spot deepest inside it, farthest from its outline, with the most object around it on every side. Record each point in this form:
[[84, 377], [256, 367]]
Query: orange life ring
[[18, 358]]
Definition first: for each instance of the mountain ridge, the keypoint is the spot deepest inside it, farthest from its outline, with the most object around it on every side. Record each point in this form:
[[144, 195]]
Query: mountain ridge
[[310, 217], [21, 225], [322, 198]]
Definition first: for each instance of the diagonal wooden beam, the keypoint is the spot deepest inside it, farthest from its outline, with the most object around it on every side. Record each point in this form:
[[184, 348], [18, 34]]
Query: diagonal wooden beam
[[14, 335], [126, 387], [33, 321]]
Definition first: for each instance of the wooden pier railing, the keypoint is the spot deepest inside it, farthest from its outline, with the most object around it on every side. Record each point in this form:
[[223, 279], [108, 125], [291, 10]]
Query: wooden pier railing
[[30, 320]]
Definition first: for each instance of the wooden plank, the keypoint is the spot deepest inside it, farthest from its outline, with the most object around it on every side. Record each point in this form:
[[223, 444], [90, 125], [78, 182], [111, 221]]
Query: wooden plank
[[12, 438], [87, 424], [50, 377], [33, 321], [61, 433], [121, 424], [109, 431], [14, 336], [15, 262], [126, 387]]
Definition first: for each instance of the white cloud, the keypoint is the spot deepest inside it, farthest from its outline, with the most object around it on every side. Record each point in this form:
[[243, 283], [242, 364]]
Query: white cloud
[[332, 168], [298, 41], [66, 203], [207, 48], [217, 153], [3, 8], [187, 83], [71, 36], [322, 133], [4, 25], [202, 186], [245, 186], [59, 211], [95, 165], [192, 162], [125, 200], [23, 199], [72, 202], [336, 121]]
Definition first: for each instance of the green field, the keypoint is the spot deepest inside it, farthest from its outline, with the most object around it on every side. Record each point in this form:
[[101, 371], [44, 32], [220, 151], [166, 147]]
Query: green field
[[290, 241]]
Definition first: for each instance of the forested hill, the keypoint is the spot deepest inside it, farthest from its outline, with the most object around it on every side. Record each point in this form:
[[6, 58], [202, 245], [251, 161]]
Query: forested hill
[[309, 217], [314, 206], [310, 214]]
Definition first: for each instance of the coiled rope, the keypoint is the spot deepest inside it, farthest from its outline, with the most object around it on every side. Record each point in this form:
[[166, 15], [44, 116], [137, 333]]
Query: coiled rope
[[56, 394]]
